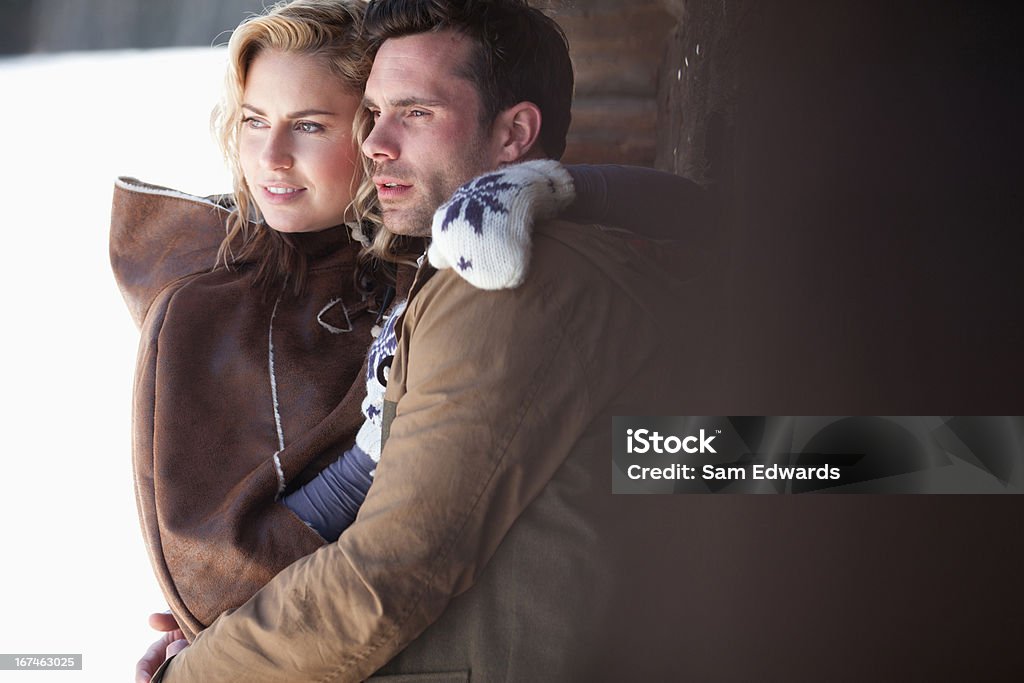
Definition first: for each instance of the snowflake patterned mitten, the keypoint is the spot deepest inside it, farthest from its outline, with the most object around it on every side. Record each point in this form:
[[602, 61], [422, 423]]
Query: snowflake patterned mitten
[[483, 231]]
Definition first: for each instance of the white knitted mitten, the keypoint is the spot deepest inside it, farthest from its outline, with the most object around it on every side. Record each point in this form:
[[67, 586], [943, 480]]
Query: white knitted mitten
[[483, 231]]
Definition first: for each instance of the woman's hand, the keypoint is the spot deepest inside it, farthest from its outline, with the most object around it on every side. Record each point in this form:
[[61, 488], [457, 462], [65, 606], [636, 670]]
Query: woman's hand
[[170, 643]]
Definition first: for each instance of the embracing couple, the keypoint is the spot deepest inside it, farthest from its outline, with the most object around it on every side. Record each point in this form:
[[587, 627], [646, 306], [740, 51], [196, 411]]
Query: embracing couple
[[441, 509]]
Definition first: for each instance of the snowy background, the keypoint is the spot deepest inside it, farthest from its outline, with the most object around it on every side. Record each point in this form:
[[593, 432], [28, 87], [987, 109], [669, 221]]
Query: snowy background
[[75, 575]]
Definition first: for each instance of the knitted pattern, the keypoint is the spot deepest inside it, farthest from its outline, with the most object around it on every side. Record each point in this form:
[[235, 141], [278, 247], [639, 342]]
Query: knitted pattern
[[484, 230], [382, 351]]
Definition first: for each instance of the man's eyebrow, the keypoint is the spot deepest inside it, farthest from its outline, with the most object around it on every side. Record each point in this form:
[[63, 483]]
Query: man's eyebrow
[[294, 114], [407, 102]]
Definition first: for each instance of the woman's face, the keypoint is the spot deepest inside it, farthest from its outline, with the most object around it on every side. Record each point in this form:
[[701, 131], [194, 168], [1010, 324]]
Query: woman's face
[[295, 144]]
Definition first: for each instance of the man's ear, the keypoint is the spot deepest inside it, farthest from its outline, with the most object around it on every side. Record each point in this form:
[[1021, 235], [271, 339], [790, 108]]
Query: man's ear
[[517, 129]]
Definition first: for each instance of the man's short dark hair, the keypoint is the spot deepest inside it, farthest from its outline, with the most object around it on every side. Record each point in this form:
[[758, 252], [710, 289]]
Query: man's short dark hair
[[520, 54]]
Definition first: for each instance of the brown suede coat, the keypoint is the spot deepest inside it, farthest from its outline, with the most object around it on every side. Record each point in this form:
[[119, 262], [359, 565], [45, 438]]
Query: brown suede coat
[[205, 426]]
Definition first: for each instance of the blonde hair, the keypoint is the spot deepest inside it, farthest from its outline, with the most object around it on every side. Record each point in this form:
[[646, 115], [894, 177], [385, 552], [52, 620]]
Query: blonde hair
[[328, 30]]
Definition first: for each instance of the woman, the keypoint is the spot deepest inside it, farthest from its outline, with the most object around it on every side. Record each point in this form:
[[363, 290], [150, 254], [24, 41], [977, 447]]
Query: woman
[[249, 377], [250, 369]]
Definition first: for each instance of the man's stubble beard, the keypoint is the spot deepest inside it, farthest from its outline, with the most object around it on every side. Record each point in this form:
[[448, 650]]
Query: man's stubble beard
[[415, 220], [436, 188]]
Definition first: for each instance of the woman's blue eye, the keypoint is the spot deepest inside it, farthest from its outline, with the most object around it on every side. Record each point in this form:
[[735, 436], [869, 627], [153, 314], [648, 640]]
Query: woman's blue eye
[[309, 127], [253, 123]]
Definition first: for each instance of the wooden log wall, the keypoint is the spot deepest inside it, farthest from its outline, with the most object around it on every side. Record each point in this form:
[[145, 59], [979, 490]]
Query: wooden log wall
[[617, 48]]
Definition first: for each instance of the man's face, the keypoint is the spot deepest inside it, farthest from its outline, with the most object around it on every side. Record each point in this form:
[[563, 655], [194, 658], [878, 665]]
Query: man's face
[[427, 139]]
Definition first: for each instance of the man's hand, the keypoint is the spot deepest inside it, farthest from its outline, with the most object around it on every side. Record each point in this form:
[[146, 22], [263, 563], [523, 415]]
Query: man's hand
[[483, 231], [170, 643]]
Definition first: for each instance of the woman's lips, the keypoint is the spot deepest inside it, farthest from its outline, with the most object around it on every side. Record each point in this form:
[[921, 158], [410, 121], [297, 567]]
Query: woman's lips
[[281, 194]]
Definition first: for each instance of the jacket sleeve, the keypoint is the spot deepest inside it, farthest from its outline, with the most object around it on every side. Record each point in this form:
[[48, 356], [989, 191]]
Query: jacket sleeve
[[157, 236], [497, 390], [652, 204]]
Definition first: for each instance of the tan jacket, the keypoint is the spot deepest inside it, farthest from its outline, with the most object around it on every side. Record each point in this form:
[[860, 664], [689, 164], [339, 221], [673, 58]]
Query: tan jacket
[[488, 546]]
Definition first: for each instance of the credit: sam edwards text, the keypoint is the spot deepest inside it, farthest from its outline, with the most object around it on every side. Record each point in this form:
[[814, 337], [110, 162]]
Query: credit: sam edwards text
[[732, 473]]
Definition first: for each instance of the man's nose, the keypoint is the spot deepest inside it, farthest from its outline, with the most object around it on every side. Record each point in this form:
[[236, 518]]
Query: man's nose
[[382, 142]]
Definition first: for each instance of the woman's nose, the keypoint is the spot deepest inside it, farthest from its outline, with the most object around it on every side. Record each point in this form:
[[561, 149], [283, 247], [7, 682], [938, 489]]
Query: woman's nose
[[277, 151]]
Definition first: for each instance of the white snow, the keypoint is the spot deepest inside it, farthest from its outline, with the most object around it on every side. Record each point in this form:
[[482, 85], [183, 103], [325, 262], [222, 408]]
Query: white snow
[[75, 577]]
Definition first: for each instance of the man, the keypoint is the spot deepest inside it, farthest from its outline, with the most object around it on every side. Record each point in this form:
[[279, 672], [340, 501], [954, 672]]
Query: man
[[484, 547]]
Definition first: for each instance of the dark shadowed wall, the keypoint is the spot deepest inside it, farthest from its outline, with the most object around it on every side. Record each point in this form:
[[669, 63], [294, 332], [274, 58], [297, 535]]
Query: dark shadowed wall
[[866, 157]]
